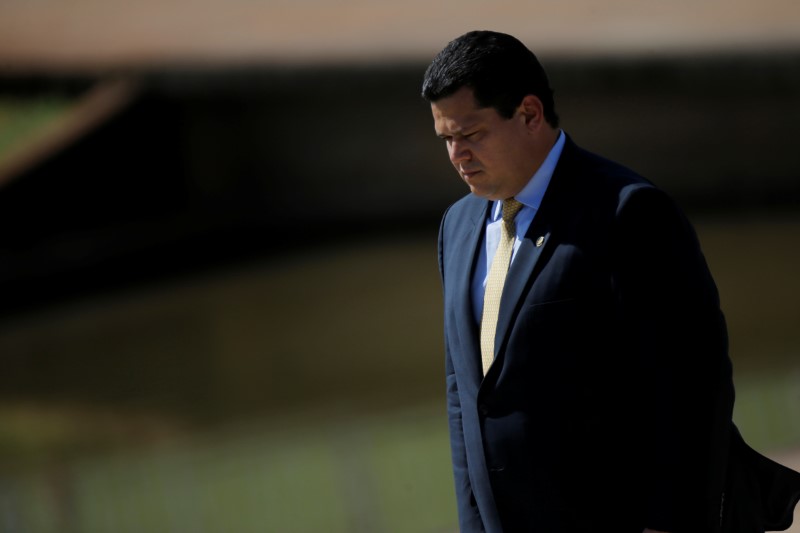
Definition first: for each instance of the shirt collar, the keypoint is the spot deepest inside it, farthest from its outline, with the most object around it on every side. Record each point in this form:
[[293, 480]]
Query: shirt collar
[[531, 195]]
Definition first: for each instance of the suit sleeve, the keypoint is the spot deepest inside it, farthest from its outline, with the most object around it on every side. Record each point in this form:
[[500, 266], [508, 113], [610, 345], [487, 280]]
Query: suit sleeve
[[468, 516], [672, 311]]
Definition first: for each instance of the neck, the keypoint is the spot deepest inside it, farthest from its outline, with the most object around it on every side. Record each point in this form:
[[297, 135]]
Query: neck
[[541, 148]]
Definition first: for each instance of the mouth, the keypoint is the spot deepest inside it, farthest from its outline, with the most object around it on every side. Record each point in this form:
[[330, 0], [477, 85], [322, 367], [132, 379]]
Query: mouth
[[469, 174]]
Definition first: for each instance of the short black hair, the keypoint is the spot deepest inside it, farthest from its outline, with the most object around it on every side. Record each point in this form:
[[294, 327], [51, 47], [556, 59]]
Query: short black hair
[[498, 68]]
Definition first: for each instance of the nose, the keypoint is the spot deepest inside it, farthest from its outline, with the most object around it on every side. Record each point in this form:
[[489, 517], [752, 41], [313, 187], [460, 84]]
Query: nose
[[458, 152]]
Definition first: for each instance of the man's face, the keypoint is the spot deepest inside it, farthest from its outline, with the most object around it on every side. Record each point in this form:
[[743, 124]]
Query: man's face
[[492, 154]]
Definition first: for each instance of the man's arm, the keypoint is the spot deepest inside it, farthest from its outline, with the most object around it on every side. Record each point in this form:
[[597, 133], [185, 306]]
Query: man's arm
[[468, 515], [675, 322]]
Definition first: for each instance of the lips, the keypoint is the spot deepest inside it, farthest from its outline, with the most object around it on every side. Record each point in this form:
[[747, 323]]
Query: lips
[[469, 173]]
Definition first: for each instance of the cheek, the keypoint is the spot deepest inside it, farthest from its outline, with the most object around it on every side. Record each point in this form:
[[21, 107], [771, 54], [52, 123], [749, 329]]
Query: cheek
[[483, 156]]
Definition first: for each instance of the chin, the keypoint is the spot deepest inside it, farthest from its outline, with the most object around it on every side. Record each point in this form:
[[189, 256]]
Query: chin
[[477, 190], [483, 194]]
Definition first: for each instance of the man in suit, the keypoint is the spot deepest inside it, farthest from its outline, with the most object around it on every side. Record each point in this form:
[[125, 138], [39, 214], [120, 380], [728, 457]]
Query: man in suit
[[588, 382]]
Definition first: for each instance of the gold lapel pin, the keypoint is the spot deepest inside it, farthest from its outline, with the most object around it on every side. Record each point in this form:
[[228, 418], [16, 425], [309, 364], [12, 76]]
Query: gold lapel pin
[[539, 241]]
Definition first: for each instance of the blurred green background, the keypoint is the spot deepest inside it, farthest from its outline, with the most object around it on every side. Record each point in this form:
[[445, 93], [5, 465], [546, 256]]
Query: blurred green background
[[195, 406]]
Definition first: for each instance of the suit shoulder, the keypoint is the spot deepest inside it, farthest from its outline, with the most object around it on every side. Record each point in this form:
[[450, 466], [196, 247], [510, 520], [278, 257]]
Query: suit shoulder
[[609, 173], [467, 203], [608, 182], [466, 208]]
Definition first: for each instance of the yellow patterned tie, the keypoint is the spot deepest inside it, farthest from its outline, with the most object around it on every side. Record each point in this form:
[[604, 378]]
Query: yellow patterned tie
[[496, 280]]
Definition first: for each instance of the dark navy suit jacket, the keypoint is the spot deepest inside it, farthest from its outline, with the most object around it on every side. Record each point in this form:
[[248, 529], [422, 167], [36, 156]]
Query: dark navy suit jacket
[[608, 407]]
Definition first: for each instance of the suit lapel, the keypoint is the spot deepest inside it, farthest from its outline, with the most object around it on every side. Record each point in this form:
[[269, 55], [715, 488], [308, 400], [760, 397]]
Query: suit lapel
[[465, 258]]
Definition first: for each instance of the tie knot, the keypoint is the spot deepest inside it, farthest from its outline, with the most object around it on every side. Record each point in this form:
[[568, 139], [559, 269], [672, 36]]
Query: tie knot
[[510, 209]]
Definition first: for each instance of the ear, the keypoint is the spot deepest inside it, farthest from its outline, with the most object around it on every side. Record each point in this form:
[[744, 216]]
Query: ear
[[532, 111]]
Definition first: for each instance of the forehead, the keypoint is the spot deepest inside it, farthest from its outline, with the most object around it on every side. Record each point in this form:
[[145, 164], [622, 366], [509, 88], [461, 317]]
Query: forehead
[[460, 111]]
